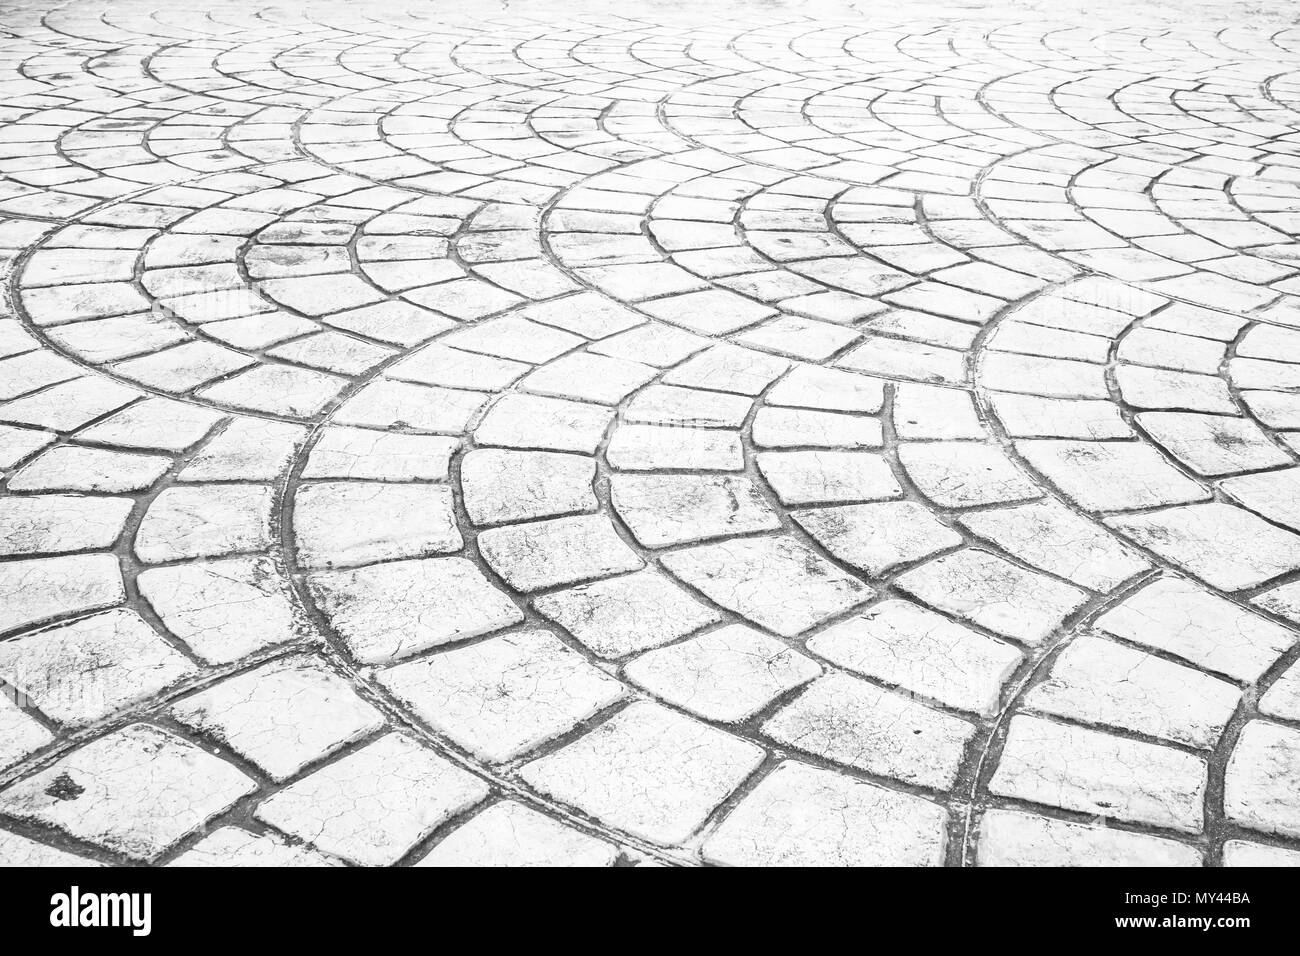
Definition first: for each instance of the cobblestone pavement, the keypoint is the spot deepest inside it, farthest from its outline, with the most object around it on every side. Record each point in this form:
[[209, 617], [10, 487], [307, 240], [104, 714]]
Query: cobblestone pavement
[[771, 434]]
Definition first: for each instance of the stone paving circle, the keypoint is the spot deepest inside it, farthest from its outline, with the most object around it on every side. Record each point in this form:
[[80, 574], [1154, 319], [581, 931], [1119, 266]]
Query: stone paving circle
[[562, 433]]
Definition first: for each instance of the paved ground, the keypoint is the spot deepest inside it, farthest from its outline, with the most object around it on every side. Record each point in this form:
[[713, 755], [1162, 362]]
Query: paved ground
[[761, 435]]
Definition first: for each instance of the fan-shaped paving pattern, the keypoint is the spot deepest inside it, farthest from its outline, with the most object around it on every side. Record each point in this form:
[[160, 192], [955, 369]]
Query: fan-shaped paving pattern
[[560, 437]]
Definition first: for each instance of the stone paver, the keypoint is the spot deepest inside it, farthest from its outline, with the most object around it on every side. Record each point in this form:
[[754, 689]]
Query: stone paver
[[1009, 838], [857, 724], [281, 716], [135, 792], [647, 770], [508, 834], [742, 434], [727, 675], [1074, 768], [802, 816], [502, 697], [375, 804]]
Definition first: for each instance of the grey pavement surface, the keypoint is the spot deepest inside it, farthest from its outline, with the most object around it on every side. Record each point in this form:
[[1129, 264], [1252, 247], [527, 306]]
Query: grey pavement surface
[[561, 433]]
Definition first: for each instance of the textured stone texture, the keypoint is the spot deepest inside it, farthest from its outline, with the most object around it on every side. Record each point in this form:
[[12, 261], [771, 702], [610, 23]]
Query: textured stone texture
[[739, 433]]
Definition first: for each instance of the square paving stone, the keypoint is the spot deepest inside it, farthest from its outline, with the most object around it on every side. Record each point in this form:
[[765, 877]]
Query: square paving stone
[[1262, 777], [776, 582], [1245, 853], [503, 697], [418, 408], [544, 554], [392, 610], [1095, 681], [40, 589], [16, 851], [137, 791], [91, 668], [1213, 445], [727, 675], [1010, 838], [247, 448], [1049, 536], [799, 427], [1283, 698], [348, 523], [803, 816], [361, 453], [1091, 772], [589, 378], [281, 716], [20, 734], [510, 834], [994, 593], [877, 537], [54, 524], [809, 386], [851, 722], [670, 405], [203, 521], [665, 510], [1175, 615], [904, 645], [223, 610], [231, 846], [625, 614], [374, 805], [728, 368], [68, 468], [1274, 494], [826, 477], [654, 447], [529, 421], [961, 474], [1225, 546], [647, 770], [501, 486]]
